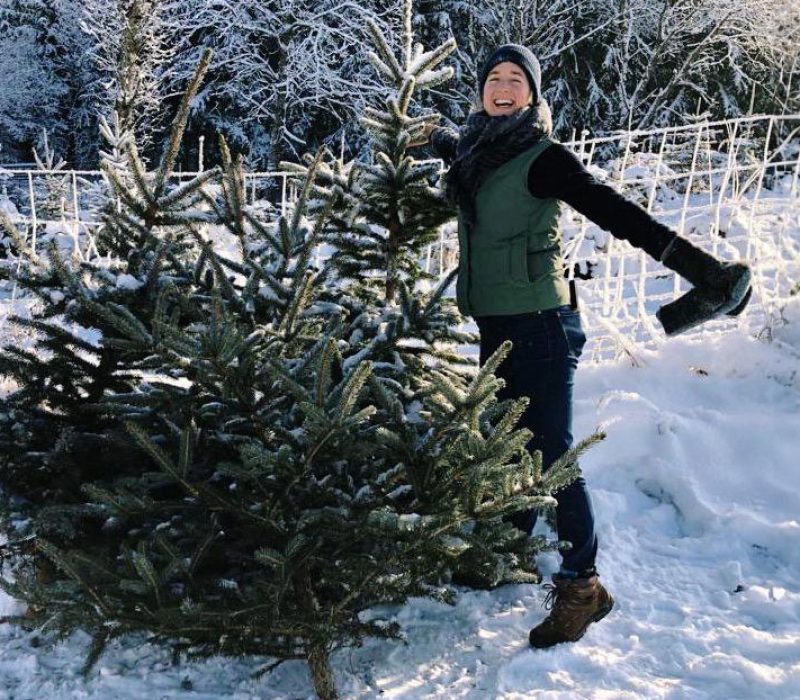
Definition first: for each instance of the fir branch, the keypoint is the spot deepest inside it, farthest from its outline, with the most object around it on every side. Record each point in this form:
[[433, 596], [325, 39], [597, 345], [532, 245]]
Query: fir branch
[[57, 334], [146, 571], [262, 230], [427, 62], [435, 78], [61, 560], [304, 258], [68, 278], [217, 207], [303, 292], [121, 319], [281, 375], [108, 498], [223, 283], [234, 266], [133, 231], [404, 98], [179, 126], [491, 364], [233, 188], [565, 469], [300, 204], [96, 649], [352, 390], [184, 191], [185, 451], [159, 457], [384, 61], [140, 181], [324, 371], [203, 549], [507, 423]]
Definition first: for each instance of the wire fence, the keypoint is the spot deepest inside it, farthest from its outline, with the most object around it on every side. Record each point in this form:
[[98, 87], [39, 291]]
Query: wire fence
[[731, 186]]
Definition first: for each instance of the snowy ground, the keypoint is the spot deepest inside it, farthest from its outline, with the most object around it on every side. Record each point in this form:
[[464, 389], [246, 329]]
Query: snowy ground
[[697, 493]]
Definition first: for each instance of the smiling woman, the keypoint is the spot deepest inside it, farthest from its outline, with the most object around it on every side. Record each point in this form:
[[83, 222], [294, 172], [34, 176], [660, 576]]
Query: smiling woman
[[508, 178]]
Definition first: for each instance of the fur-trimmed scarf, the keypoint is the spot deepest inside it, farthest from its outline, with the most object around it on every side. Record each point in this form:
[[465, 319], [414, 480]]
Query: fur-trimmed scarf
[[485, 143]]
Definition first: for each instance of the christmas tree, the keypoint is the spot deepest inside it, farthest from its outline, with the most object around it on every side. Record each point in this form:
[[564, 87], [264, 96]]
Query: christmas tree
[[236, 444]]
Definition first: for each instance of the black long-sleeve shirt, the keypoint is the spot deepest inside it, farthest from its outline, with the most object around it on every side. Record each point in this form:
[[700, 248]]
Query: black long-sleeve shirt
[[559, 174]]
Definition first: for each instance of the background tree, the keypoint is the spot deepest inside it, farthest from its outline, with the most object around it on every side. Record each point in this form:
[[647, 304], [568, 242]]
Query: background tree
[[132, 58], [287, 75], [31, 88]]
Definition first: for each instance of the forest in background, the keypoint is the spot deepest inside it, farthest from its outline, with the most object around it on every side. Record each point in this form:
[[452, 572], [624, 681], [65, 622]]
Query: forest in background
[[289, 75]]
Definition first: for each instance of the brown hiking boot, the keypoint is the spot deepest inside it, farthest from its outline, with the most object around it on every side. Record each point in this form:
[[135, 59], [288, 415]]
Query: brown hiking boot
[[575, 603]]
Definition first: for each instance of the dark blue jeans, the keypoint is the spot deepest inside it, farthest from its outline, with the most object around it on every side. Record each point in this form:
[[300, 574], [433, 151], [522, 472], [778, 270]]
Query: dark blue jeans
[[541, 366]]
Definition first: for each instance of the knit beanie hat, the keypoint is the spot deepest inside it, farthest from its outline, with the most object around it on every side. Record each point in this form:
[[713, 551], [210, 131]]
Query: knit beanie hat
[[521, 56]]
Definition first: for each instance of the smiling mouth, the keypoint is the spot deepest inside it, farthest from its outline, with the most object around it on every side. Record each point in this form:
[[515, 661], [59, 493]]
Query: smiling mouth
[[503, 103]]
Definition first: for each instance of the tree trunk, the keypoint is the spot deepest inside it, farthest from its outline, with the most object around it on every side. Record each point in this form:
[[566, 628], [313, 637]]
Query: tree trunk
[[321, 673], [319, 662]]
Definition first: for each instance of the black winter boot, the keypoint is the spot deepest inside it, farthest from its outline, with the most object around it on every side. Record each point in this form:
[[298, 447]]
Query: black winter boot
[[719, 287], [575, 604]]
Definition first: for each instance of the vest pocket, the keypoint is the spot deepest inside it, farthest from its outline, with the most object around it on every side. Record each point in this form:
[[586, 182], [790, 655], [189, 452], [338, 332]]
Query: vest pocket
[[540, 264], [504, 263], [518, 260]]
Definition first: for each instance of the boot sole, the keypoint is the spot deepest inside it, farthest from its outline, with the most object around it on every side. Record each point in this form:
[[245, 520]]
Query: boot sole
[[599, 615]]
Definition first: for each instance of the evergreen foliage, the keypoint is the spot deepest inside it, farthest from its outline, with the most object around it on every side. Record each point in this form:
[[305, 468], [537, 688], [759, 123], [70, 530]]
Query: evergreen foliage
[[235, 444], [54, 188]]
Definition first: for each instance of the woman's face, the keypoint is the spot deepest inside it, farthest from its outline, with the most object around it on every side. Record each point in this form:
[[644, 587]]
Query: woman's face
[[506, 90]]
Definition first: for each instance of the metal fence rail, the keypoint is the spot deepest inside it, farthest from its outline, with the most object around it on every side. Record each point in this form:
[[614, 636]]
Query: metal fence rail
[[732, 186]]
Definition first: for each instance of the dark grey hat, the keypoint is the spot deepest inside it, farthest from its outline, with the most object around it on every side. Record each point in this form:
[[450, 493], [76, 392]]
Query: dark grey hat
[[524, 58]]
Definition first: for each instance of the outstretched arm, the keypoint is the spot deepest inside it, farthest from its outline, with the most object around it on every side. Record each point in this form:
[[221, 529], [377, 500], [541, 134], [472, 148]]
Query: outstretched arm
[[719, 287], [558, 173]]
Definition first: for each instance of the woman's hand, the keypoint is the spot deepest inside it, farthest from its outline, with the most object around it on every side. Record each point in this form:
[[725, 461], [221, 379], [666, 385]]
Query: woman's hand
[[424, 136]]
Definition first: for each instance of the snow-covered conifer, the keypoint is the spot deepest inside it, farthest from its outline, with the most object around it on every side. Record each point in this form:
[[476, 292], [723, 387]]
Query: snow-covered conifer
[[286, 76], [206, 445], [31, 90]]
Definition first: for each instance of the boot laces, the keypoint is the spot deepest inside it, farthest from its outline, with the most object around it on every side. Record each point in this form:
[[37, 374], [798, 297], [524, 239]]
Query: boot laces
[[551, 597], [559, 601]]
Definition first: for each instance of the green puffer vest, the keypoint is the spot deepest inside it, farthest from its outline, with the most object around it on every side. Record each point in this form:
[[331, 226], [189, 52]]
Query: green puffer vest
[[510, 261]]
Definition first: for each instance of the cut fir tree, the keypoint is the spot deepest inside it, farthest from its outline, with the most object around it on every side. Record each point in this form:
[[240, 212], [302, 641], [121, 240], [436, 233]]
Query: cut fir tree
[[232, 450]]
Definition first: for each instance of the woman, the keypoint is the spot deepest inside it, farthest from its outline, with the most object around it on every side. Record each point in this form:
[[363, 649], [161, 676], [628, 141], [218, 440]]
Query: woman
[[508, 179]]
